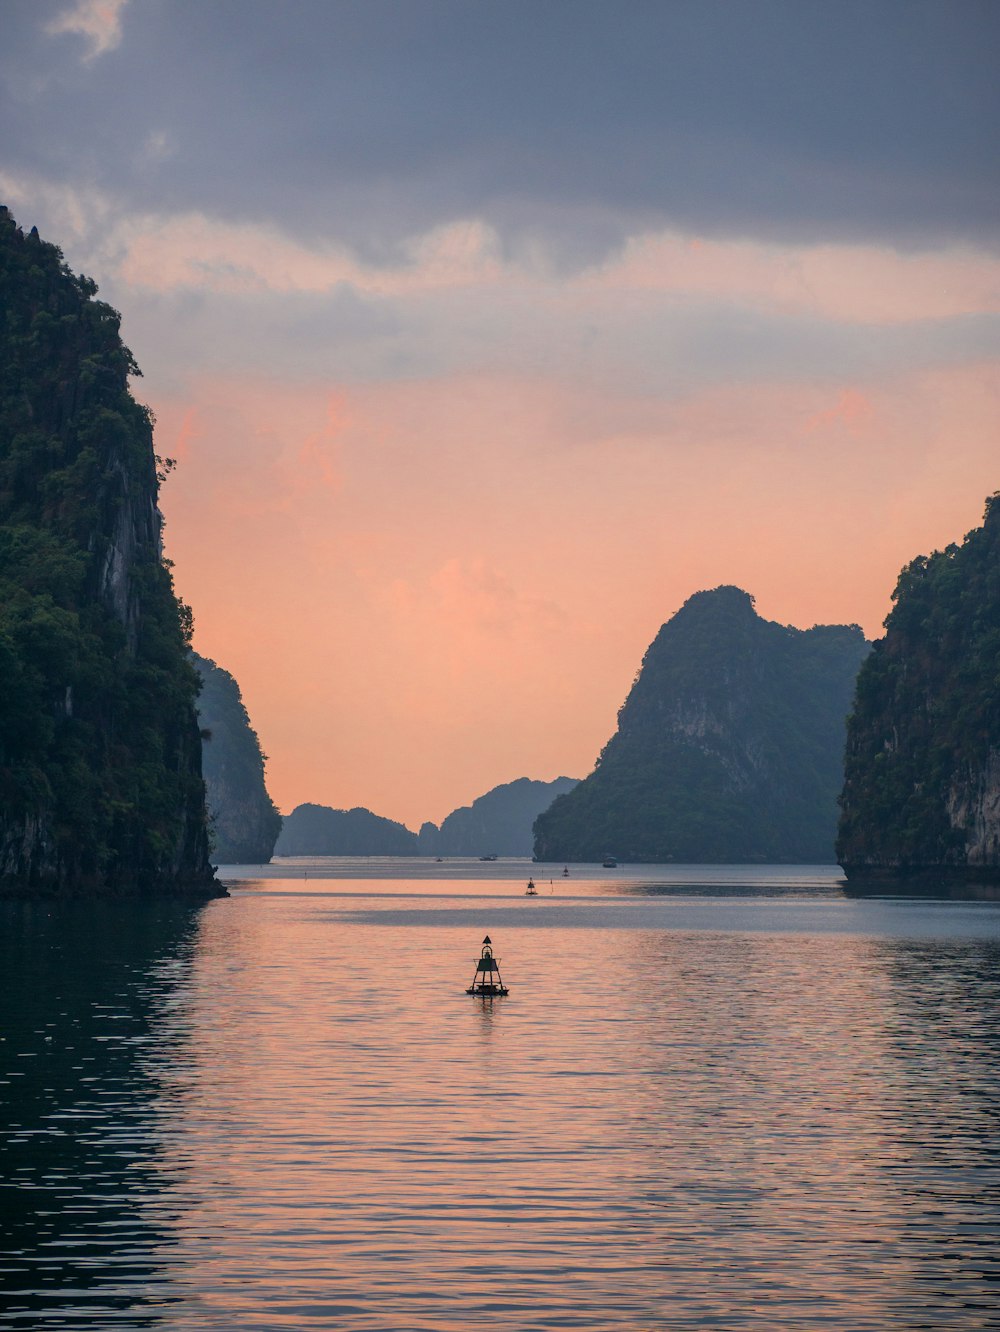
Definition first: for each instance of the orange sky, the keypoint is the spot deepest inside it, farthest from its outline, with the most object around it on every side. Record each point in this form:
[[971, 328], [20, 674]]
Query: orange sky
[[486, 335], [430, 584]]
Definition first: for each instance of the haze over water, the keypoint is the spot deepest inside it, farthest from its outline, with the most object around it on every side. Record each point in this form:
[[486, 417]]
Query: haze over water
[[713, 1098]]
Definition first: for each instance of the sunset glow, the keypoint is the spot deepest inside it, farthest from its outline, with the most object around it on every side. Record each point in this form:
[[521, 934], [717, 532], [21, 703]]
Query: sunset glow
[[443, 473]]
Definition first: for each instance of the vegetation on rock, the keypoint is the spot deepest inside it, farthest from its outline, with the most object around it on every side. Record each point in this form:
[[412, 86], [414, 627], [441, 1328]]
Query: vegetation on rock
[[100, 757], [922, 772], [245, 822], [729, 746]]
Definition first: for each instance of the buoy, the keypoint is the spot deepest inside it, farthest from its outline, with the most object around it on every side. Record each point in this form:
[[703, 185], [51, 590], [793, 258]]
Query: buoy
[[487, 978], [531, 890]]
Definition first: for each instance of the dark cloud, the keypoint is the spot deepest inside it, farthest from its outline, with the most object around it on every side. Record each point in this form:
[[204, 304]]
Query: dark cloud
[[565, 122]]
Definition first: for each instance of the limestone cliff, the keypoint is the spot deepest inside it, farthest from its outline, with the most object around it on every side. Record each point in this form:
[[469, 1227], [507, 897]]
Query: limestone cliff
[[100, 756], [245, 822], [922, 776], [728, 748]]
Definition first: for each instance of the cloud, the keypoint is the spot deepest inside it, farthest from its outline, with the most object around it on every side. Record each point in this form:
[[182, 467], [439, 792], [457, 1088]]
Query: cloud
[[566, 128], [853, 410], [158, 147], [667, 315], [98, 21]]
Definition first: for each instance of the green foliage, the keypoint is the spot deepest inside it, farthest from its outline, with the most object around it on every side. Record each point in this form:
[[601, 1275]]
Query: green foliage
[[927, 710], [100, 778], [728, 747]]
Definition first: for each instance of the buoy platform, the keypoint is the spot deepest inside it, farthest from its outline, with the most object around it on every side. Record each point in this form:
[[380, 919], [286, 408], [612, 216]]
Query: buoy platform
[[487, 968]]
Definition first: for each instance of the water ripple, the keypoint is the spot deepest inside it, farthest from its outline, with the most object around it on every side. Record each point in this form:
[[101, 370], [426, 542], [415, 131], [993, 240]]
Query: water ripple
[[282, 1112]]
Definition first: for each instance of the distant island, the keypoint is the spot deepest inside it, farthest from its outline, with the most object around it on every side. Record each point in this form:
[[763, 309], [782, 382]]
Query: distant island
[[922, 776], [244, 820], [497, 823], [318, 830], [100, 756], [729, 747]]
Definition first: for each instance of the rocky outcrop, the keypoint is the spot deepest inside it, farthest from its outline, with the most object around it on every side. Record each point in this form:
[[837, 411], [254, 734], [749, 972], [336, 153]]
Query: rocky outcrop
[[100, 754], [245, 822], [728, 748], [973, 804], [497, 823], [922, 775]]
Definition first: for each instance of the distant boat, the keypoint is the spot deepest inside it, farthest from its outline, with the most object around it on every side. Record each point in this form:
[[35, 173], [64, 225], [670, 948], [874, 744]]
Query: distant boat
[[609, 863], [531, 890], [439, 859], [487, 857]]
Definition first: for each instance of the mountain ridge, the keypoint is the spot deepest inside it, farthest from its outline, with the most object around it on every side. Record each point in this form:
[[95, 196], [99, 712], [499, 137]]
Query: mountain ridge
[[499, 822]]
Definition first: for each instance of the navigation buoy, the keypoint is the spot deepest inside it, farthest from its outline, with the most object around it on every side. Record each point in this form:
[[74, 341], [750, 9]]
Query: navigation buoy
[[531, 890], [487, 978]]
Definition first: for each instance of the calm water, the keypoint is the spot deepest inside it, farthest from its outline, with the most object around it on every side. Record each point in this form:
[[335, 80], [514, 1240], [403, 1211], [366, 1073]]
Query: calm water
[[713, 1098]]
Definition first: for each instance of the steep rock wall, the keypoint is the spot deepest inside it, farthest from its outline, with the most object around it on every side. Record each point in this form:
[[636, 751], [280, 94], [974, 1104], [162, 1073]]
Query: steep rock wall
[[100, 754], [922, 775], [245, 822]]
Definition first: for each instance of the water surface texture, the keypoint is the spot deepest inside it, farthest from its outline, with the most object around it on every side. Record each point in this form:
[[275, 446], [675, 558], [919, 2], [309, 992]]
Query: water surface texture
[[712, 1099]]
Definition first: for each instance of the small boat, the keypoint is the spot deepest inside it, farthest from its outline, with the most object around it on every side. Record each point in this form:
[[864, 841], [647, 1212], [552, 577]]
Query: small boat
[[609, 863], [531, 890], [487, 857], [565, 871]]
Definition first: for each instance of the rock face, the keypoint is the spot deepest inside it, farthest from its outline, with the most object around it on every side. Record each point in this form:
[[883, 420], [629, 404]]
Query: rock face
[[245, 822], [922, 773], [498, 823], [318, 830], [729, 746], [100, 756]]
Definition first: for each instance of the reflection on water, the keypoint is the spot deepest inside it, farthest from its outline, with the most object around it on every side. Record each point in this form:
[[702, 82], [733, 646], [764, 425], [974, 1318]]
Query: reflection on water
[[283, 1111], [79, 1106]]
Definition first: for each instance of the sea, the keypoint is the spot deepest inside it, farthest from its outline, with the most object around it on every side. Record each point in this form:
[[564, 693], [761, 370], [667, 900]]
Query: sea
[[714, 1097]]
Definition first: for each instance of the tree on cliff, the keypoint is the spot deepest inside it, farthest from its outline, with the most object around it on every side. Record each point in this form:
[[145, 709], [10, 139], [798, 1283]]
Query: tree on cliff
[[100, 769], [922, 772]]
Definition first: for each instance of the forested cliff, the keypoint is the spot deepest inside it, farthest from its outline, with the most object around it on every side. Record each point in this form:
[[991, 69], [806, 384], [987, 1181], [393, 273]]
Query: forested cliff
[[100, 756], [729, 746], [922, 773], [244, 820]]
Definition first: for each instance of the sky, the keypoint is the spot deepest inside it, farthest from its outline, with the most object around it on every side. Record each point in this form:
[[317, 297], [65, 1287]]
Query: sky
[[486, 332]]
